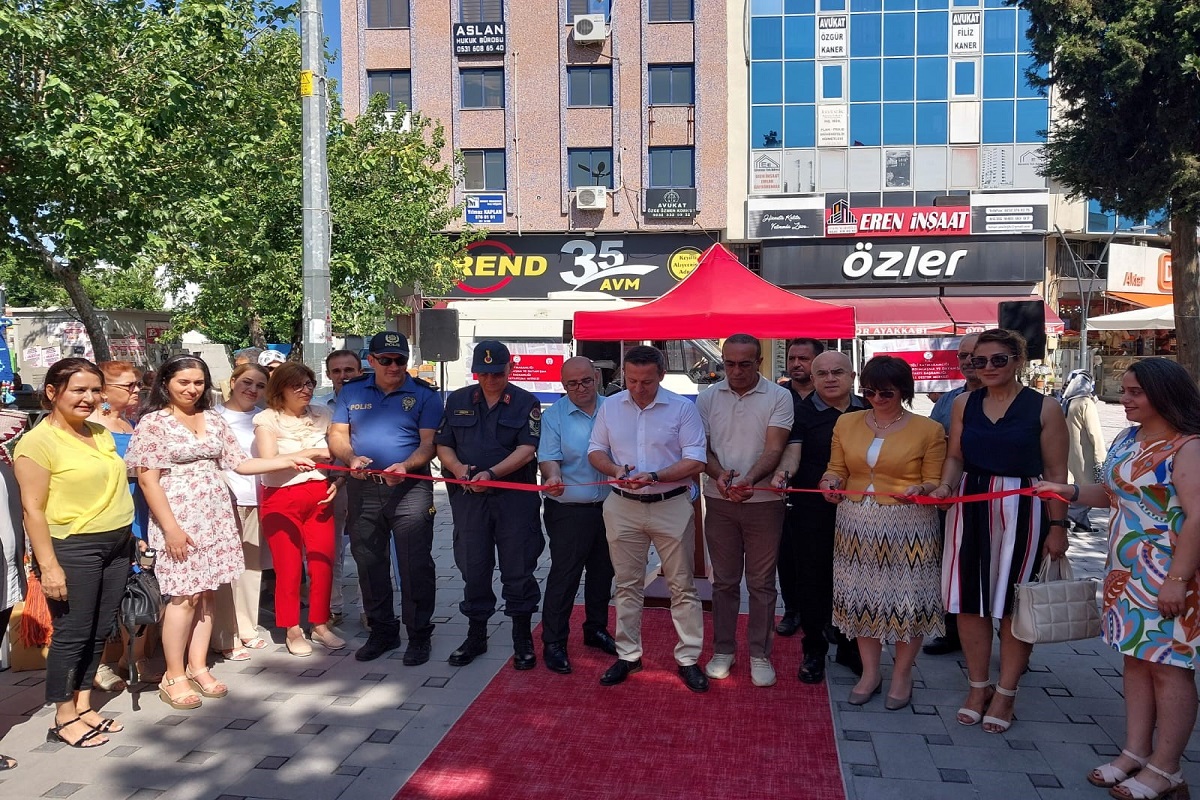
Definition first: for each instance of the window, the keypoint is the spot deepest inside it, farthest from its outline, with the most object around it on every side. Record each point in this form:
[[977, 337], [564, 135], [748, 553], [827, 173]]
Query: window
[[799, 38], [898, 78], [481, 11], [998, 119], [590, 167], [766, 38], [484, 171], [483, 88], [999, 77], [766, 126], [589, 86], [833, 82], [964, 73], [397, 85], [387, 13], [766, 82], [672, 167], [671, 10], [933, 33], [864, 80], [577, 7], [672, 85], [799, 82], [865, 34], [931, 78]]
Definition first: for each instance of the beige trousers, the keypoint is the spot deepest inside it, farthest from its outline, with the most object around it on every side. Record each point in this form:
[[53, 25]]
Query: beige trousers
[[236, 616]]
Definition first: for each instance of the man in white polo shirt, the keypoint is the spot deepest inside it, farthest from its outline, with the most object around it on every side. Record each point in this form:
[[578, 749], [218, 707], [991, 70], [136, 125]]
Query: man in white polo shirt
[[652, 441], [747, 419]]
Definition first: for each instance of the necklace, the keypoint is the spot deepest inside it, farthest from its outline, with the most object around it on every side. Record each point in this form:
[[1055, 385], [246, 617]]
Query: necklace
[[878, 427], [1147, 436]]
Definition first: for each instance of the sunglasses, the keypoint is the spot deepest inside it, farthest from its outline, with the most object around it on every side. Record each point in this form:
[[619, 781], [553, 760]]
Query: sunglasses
[[132, 388], [998, 361], [308, 386], [886, 394], [384, 361]]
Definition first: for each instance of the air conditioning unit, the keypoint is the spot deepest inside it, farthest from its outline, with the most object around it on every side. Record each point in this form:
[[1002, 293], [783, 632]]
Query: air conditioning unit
[[590, 28], [405, 121], [591, 198]]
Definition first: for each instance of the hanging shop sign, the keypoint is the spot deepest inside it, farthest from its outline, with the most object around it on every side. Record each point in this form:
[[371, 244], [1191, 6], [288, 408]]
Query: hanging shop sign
[[479, 38]]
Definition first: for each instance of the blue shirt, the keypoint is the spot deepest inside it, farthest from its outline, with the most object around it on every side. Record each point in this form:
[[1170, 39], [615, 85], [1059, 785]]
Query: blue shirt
[[943, 407], [566, 431], [386, 428]]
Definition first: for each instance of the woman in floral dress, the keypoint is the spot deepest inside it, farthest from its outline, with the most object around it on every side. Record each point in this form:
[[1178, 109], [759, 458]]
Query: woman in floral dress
[[179, 449], [1152, 590]]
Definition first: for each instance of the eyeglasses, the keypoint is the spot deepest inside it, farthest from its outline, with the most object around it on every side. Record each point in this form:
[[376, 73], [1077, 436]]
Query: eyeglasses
[[132, 388], [964, 356], [825, 373], [998, 361], [739, 364], [886, 394], [384, 361], [307, 386], [582, 383]]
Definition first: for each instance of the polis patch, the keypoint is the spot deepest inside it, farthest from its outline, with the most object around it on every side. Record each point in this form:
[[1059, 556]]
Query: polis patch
[[409, 403]]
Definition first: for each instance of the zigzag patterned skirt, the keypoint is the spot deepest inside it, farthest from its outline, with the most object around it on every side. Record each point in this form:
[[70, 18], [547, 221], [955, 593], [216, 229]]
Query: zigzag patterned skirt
[[887, 571]]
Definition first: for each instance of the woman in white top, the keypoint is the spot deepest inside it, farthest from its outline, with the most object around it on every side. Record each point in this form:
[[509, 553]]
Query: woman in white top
[[297, 507], [235, 624]]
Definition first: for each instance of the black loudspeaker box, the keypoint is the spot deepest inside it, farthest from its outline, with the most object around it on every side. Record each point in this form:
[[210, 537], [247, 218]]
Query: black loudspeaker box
[[1028, 318], [439, 334]]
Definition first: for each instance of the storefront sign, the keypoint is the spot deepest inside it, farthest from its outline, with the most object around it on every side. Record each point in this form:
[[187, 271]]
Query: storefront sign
[[934, 361], [485, 209], [478, 38], [1132, 268], [633, 265], [670, 203], [841, 220], [1009, 212], [833, 128], [966, 33], [785, 217], [832, 36], [896, 261], [767, 176]]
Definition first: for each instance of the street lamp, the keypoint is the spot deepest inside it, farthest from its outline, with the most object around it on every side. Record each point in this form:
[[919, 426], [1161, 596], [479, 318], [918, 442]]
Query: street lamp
[[1085, 297]]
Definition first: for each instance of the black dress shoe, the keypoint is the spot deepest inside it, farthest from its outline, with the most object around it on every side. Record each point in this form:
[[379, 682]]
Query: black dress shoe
[[468, 651], [523, 657], [375, 647], [619, 671], [694, 678], [847, 655], [941, 645], [601, 641], [813, 669], [789, 623], [555, 656], [417, 652]]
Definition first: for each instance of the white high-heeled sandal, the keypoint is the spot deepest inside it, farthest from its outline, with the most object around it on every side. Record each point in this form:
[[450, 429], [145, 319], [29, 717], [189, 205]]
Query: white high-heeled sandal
[[971, 713], [1136, 790], [1107, 776], [1002, 724]]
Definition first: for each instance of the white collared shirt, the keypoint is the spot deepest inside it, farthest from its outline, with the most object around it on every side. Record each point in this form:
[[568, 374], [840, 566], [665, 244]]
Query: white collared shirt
[[650, 439]]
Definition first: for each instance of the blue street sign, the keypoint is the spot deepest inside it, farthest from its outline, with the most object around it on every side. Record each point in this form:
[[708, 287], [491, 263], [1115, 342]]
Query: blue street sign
[[485, 209]]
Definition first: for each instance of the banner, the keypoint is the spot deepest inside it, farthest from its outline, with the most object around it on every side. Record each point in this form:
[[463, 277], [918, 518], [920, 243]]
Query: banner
[[934, 360]]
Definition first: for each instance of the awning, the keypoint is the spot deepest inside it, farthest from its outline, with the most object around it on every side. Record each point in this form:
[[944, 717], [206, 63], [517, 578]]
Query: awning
[[900, 316], [976, 314], [1140, 319], [1143, 299]]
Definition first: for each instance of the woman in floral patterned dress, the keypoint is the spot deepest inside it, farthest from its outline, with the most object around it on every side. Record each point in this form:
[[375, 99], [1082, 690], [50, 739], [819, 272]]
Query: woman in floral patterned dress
[[179, 449], [1152, 590]]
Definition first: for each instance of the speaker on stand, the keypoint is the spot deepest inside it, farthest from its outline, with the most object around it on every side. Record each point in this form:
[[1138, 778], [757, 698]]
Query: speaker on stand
[[438, 339], [1028, 318]]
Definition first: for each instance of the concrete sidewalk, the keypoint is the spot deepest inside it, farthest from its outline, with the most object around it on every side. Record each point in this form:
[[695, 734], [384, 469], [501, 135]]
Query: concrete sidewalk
[[329, 727]]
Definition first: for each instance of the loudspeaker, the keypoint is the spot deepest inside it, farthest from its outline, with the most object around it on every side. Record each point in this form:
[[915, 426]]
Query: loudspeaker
[[439, 334], [1028, 318]]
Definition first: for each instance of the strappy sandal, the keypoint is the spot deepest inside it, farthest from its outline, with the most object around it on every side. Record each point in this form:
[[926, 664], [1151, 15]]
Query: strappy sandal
[[207, 691], [1001, 724], [107, 725], [1107, 775], [970, 713], [257, 643], [236, 654], [181, 703], [96, 737], [107, 679], [1133, 789]]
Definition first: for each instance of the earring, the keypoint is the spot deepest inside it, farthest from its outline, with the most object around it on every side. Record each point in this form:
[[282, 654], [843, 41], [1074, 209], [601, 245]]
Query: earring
[[105, 408]]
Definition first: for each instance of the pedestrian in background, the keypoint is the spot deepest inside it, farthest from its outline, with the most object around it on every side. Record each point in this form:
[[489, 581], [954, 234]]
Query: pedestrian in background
[[12, 533], [1085, 441]]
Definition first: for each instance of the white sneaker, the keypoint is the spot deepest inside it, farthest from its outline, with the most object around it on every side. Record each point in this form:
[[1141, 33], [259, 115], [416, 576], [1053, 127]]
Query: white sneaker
[[718, 669], [761, 672]]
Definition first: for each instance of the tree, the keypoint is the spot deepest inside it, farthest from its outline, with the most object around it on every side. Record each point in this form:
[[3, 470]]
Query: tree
[[115, 134], [1127, 77]]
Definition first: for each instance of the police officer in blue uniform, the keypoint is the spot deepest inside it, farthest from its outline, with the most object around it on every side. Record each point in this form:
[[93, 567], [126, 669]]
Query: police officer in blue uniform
[[387, 421], [490, 432]]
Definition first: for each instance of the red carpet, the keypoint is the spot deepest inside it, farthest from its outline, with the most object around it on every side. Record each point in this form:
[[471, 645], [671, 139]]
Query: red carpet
[[537, 735]]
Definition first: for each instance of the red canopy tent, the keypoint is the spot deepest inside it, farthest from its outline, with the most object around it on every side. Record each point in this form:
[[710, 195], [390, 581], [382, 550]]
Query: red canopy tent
[[720, 298]]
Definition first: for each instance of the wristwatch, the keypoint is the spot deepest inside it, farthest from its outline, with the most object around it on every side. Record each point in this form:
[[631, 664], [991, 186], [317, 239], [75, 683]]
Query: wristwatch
[[653, 477], [1061, 523]]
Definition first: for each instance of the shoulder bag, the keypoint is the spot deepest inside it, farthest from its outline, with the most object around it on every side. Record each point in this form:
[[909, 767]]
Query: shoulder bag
[[1055, 607]]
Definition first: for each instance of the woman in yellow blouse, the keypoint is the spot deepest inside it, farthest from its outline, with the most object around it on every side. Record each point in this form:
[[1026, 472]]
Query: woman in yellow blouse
[[78, 513], [887, 551]]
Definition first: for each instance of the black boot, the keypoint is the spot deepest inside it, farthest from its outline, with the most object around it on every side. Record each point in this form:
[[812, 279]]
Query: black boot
[[473, 647], [523, 657]]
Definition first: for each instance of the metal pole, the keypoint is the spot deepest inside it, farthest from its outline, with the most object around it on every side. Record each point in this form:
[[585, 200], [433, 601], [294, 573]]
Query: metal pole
[[315, 333]]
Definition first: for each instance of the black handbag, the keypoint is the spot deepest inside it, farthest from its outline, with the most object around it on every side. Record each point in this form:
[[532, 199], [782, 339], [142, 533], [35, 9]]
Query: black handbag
[[141, 605]]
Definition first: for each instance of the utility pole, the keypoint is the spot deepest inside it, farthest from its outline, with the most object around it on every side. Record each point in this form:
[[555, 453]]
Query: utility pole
[[315, 334]]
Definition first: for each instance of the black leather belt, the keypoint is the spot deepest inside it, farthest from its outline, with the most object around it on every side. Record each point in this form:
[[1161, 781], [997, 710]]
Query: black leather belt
[[652, 498], [596, 504]]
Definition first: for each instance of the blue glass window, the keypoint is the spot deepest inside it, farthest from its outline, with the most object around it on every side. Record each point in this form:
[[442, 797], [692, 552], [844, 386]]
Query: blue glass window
[[865, 30], [832, 82], [766, 82], [965, 3], [995, 3], [766, 126], [1033, 116], [899, 34], [897, 123], [864, 80], [1023, 88], [799, 82], [931, 78], [997, 121], [1000, 31], [964, 79], [800, 126], [933, 4], [898, 78], [866, 5], [899, 5], [999, 76], [1024, 20], [766, 8], [799, 6], [933, 33], [766, 38], [799, 37], [933, 123], [864, 125], [833, 5]]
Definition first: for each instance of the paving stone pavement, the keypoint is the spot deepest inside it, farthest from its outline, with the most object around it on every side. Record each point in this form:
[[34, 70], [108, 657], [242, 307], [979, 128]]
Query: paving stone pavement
[[329, 727]]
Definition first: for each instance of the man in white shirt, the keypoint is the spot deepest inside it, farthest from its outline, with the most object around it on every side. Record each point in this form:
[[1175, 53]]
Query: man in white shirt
[[340, 366], [652, 441], [747, 419]]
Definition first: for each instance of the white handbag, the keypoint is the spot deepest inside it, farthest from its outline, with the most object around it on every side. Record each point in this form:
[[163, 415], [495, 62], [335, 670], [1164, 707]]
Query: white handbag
[[1055, 607]]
